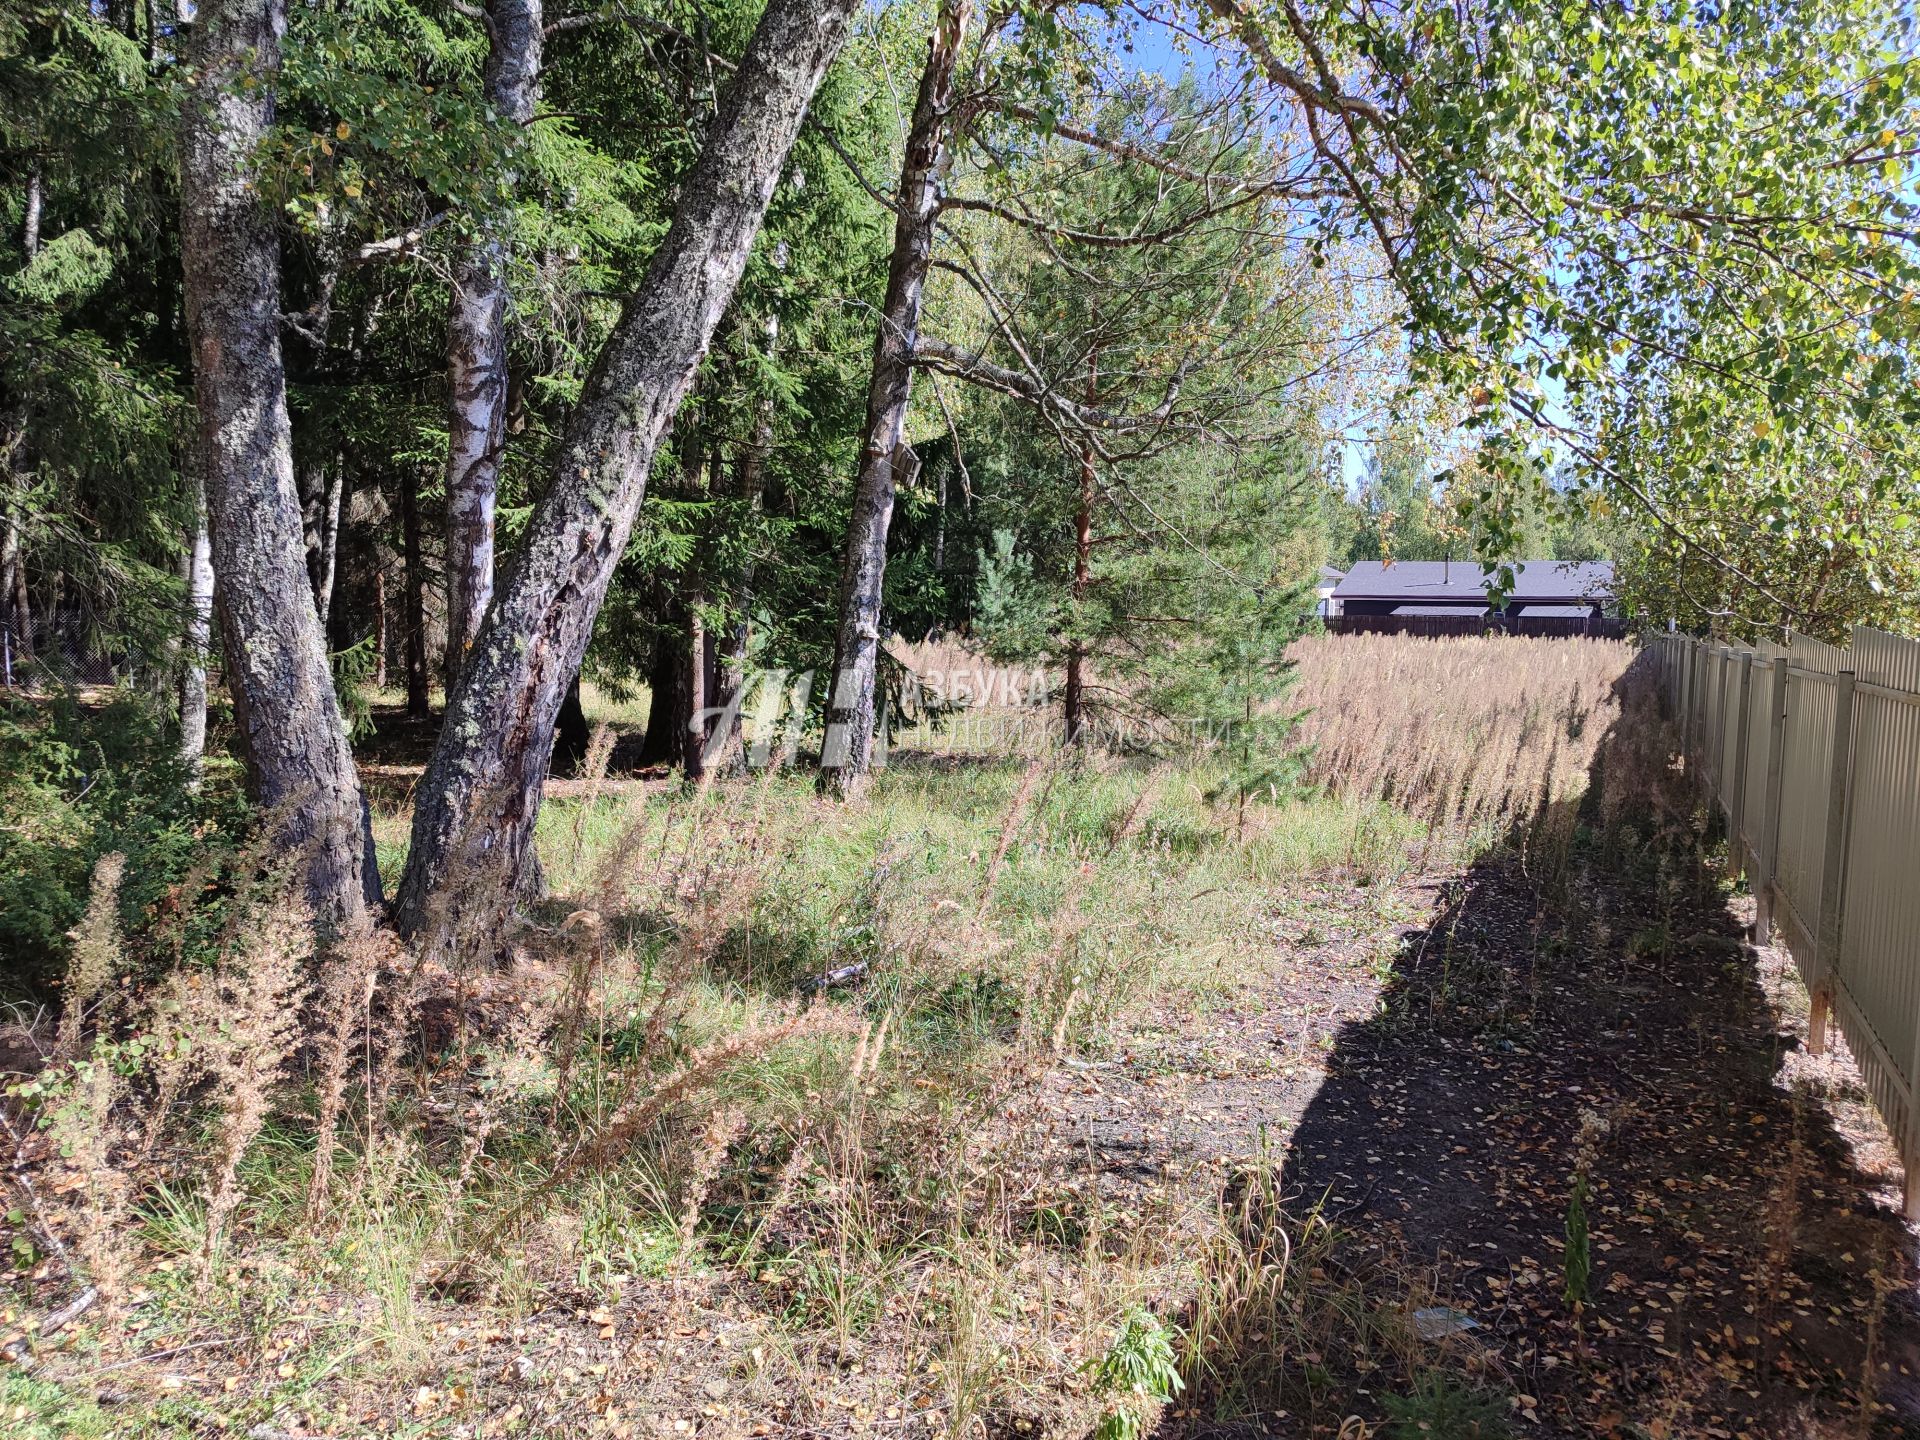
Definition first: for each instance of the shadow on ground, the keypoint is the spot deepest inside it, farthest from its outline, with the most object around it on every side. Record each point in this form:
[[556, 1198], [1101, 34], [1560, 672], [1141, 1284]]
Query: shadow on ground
[[1747, 1274]]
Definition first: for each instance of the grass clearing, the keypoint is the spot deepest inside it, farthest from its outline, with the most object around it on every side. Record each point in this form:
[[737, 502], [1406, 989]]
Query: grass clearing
[[975, 1108]]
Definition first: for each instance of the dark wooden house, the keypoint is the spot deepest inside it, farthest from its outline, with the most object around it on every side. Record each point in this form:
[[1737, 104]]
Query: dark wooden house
[[1548, 597]]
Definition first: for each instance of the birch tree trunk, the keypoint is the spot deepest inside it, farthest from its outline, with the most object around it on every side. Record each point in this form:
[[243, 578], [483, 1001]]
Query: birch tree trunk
[[11, 632], [477, 347], [13, 464], [298, 760], [481, 792], [380, 635], [30, 219], [197, 632], [693, 737], [326, 562], [847, 751]]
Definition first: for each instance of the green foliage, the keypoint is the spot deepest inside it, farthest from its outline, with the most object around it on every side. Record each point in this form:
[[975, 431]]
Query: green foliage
[[377, 105], [45, 1410], [1667, 243], [1578, 1264], [1488, 504], [68, 268], [353, 670], [1441, 1406], [1012, 616], [1139, 1370], [1398, 515], [83, 782], [1203, 526], [91, 398]]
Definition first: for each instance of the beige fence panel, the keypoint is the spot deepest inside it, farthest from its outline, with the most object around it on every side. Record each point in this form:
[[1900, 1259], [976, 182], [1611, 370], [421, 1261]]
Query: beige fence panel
[[1713, 716], [1759, 737], [1729, 769], [1800, 868], [1878, 992], [1813, 755]]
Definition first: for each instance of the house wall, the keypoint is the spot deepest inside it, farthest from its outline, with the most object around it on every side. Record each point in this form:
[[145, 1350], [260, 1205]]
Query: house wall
[[1358, 605], [1447, 625], [1355, 605]]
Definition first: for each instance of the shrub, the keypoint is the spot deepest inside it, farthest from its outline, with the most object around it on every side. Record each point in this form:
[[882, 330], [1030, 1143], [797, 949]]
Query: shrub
[[1441, 1407], [83, 782], [1140, 1373]]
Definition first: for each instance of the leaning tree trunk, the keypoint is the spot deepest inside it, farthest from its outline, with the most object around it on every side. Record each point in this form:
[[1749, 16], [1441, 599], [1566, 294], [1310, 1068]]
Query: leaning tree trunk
[[298, 760], [847, 752], [197, 631], [481, 792], [477, 346]]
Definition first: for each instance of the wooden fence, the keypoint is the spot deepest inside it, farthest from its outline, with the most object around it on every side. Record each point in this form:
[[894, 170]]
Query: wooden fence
[[1813, 755]]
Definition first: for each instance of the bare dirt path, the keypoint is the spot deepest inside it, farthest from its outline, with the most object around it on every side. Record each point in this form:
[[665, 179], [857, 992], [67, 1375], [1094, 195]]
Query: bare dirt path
[[1749, 1271]]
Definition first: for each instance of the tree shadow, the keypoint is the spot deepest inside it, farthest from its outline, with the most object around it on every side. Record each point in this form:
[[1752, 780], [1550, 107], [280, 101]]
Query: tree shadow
[[1747, 1271]]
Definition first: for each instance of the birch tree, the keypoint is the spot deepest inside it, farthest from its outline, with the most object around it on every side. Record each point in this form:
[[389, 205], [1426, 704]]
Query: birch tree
[[848, 747], [482, 789], [300, 766], [477, 341]]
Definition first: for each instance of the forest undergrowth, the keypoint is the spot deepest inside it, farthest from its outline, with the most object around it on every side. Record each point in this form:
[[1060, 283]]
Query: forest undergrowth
[[749, 1127]]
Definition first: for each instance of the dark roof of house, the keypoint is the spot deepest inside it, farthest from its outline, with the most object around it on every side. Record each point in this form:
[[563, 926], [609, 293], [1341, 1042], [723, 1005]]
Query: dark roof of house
[[1440, 610], [1441, 581], [1329, 572]]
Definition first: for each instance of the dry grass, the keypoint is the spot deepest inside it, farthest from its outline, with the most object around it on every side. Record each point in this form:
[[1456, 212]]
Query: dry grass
[[96, 955], [642, 1092], [1462, 732], [763, 1056], [1485, 739]]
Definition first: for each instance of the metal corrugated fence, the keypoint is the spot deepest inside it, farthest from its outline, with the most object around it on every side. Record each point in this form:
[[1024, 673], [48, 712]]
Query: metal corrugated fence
[[1813, 755]]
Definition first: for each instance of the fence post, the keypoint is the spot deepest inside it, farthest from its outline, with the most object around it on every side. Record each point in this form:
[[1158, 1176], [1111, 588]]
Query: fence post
[[1721, 667], [1713, 724], [1776, 785], [1711, 696], [1682, 661], [1910, 1149], [1703, 688], [1737, 848], [1833, 877]]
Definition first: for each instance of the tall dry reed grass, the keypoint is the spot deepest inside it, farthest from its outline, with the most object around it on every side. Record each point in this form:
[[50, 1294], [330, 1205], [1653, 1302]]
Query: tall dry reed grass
[[1468, 732]]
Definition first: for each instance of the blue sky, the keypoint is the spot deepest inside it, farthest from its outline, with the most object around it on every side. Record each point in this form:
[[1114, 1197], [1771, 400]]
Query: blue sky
[[1156, 50]]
